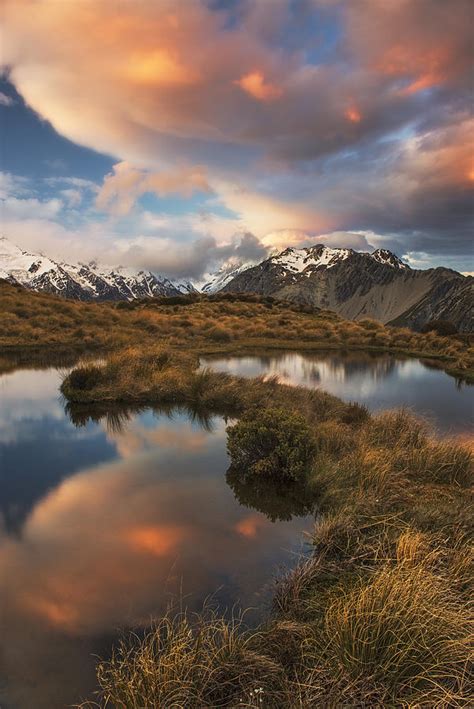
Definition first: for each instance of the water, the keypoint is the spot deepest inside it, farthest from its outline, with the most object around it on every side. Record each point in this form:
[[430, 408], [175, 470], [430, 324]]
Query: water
[[102, 524], [379, 382]]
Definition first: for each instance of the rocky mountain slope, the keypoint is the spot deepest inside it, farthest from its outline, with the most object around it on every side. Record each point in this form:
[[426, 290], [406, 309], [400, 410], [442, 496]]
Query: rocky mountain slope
[[355, 285], [358, 285], [81, 281]]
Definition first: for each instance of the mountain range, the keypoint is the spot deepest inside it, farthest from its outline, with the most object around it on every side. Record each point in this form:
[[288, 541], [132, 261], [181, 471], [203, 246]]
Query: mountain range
[[82, 281], [353, 284]]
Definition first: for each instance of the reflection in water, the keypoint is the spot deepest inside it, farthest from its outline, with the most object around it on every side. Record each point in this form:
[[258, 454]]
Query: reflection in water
[[103, 524], [276, 500], [378, 381]]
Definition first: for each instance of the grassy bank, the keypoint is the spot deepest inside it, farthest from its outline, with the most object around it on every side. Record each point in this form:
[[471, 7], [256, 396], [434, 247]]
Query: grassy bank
[[377, 615], [211, 324]]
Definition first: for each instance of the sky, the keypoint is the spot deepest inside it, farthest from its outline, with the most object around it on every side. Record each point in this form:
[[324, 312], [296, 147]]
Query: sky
[[181, 136]]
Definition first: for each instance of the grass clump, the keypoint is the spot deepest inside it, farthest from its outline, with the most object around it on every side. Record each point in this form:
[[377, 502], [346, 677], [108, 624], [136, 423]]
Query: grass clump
[[271, 443], [194, 662], [402, 631]]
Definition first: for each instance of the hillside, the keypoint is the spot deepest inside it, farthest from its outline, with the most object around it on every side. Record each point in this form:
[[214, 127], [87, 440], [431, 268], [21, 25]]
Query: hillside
[[360, 285], [220, 322]]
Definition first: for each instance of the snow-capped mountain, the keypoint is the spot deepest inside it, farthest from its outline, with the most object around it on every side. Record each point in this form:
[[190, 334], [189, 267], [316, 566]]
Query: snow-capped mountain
[[307, 259], [81, 281], [354, 284], [358, 285], [223, 276]]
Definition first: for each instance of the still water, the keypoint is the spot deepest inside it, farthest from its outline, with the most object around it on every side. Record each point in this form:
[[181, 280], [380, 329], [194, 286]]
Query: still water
[[378, 381], [103, 524]]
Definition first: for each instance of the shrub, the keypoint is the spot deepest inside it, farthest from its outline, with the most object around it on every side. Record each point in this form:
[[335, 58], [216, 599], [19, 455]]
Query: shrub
[[273, 443], [218, 334], [440, 327], [369, 324], [84, 378]]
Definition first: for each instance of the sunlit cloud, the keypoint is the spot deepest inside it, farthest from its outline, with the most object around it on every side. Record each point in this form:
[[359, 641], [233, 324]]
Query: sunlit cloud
[[256, 85], [126, 184], [277, 131]]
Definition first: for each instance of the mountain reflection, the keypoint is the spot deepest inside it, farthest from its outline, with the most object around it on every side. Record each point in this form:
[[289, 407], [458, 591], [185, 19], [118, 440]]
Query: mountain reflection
[[379, 381]]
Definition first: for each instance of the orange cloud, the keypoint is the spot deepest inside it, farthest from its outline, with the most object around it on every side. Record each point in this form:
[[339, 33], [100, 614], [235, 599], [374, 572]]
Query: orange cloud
[[158, 68], [353, 114], [254, 84], [157, 540], [126, 184], [249, 526]]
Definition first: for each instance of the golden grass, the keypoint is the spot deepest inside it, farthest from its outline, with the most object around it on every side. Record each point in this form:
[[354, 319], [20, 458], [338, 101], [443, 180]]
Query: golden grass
[[403, 630], [191, 661], [378, 614], [205, 324]]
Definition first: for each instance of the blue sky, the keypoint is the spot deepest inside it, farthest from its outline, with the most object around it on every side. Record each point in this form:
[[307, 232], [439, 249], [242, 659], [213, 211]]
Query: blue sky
[[178, 136]]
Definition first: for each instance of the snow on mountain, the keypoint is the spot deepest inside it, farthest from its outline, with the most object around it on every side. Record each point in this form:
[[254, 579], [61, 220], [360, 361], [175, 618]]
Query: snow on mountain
[[224, 275], [81, 281], [386, 257], [298, 260]]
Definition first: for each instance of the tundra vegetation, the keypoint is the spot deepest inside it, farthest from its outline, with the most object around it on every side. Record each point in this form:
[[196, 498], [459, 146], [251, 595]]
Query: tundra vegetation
[[206, 324], [378, 612]]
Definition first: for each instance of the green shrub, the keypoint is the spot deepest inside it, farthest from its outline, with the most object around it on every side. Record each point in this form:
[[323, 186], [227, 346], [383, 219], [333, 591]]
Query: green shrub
[[272, 443], [85, 378]]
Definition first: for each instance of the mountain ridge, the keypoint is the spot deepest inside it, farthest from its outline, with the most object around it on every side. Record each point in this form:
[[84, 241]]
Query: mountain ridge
[[352, 283], [81, 281], [360, 284]]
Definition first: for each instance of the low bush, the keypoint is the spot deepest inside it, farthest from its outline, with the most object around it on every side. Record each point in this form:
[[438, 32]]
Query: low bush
[[271, 442], [85, 378], [444, 328]]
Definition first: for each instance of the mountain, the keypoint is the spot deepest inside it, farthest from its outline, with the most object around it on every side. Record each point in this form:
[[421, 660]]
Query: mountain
[[81, 281], [358, 285], [355, 285], [224, 275]]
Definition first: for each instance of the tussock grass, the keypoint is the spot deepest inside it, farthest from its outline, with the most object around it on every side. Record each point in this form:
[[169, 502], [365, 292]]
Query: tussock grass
[[210, 323], [376, 615], [403, 630], [192, 661]]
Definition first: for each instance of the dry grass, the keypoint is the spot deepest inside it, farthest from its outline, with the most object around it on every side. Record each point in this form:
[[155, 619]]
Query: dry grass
[[214, 323], [191, 661], [403, 631], [377, 615]]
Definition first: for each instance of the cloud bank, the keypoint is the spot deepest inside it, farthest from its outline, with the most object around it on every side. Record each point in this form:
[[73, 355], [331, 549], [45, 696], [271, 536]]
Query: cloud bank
[[321, 116]]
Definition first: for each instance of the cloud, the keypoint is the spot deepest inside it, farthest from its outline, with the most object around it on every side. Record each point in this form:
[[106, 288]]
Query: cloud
[[13, 208], [194, 259], [337, 239], [256, 85], [363, 131], [73, 197], [5, 100], [126, 184]]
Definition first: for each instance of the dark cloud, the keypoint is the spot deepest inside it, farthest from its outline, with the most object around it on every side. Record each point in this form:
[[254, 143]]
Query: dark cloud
[[194, 259]]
